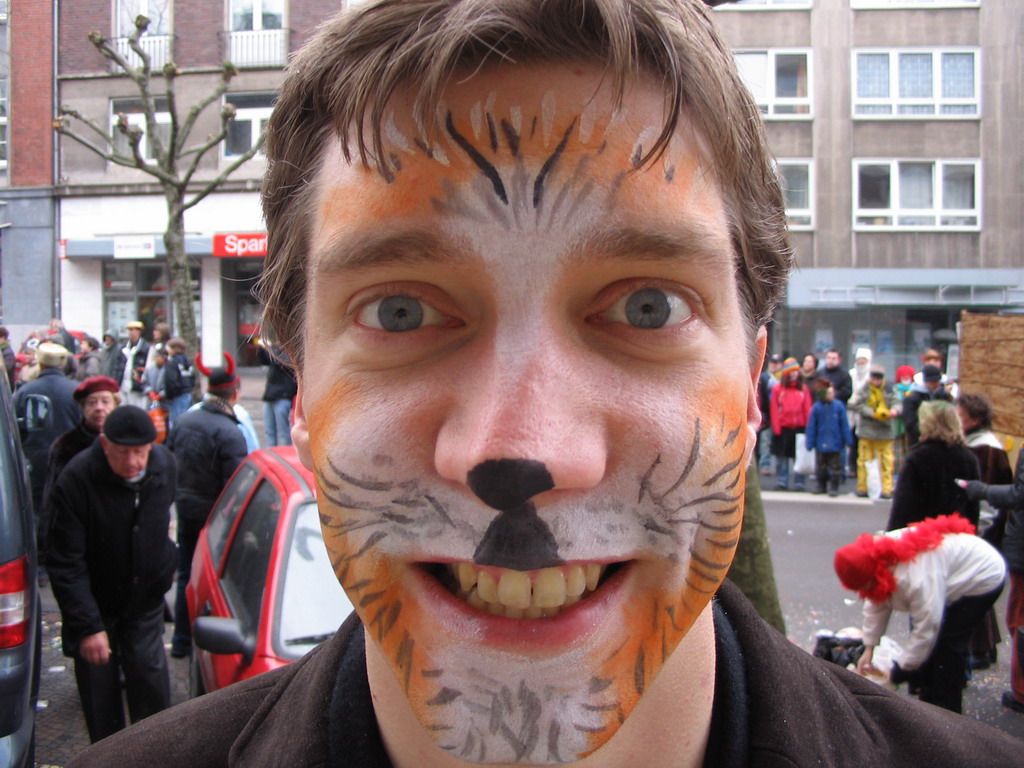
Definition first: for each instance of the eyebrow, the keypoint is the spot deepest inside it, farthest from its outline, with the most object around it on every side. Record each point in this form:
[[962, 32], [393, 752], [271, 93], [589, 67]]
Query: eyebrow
[[353, 251], [685, 240]]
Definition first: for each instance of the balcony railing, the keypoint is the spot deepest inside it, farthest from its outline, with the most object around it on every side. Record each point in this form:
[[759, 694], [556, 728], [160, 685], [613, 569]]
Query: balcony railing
[[157, 46], [257, 48]]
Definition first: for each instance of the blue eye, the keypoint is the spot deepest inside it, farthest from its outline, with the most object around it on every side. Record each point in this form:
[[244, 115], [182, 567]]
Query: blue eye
[[649, 308], [397, 314]]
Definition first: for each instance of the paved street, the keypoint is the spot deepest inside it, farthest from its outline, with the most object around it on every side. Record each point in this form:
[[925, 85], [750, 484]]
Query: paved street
[[805, 530]]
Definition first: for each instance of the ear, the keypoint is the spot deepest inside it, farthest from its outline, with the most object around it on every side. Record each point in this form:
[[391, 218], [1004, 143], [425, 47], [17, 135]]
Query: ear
[[756, 363], [300, 429]]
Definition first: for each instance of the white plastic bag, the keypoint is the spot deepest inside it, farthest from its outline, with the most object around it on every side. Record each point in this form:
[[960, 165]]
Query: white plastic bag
[[874, 472], [804, 464]]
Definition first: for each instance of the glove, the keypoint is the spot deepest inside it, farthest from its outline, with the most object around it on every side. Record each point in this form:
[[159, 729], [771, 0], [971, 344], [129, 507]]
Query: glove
[[898, 674], [975, 490]]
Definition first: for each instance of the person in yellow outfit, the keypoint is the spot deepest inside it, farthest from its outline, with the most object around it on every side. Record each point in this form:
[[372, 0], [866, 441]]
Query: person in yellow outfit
[[875, 403]]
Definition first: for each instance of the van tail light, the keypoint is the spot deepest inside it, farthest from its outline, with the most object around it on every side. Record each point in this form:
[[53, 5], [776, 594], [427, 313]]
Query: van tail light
[[14, 597]]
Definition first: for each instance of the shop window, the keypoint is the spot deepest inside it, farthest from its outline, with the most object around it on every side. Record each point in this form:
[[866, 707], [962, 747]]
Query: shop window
[[797, 179], [779, 80], [917, 194], [252, 111], [916, 84], [141, 290], [132, 110]]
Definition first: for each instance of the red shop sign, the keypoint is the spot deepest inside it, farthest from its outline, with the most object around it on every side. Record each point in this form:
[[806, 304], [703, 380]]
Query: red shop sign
[[235, 244]]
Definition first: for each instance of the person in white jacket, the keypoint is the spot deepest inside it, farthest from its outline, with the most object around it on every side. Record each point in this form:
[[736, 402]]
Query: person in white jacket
[[946, 578]]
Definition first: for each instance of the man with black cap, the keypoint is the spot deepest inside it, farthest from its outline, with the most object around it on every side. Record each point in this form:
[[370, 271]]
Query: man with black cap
[[209, 446], [110, 563], [930, 388]]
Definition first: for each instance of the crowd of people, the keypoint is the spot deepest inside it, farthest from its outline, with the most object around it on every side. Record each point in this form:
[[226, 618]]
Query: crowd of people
[[93, 417]]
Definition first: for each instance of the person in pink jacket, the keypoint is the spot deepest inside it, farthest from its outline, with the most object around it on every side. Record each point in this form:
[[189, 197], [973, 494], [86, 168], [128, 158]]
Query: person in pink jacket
[[790, 409]]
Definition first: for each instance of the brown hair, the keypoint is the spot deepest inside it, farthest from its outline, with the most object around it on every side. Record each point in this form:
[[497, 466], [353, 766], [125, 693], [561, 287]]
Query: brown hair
[[978, 407], [939, 421], [340, 84]]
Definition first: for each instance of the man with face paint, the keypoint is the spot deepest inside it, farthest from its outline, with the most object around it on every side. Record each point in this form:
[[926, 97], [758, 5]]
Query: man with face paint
[[522, 254]]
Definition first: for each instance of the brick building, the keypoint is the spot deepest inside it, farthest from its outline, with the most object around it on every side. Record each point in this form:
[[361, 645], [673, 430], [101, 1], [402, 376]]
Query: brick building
[[84, 236]]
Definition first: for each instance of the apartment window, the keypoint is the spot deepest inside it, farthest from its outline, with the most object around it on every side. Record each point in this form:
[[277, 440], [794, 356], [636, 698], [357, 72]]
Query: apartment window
[[917, 194], [3, 122], [760, 5], [779, 81], [916, 83], [252, 110], [132, 109], [915, 3], [157, 11], [256, 15], [797, 179]]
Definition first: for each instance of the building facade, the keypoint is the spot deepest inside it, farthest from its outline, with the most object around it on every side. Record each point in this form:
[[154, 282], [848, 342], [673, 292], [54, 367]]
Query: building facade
[[99, 225], [895, 126]]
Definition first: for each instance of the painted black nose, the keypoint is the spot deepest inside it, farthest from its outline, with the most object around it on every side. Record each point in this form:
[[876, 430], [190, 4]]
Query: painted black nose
[[505, 484], [517, 538]]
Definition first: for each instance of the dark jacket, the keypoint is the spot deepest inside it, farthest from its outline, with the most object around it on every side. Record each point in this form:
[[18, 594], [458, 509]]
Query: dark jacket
[[110, 555], [912, 403], [280, 377], [209, 447], [66, 414], [926, 486], [1011, 497], [841, 382], [64, 449], [179, 376], [138, 364], [10, 359], [803, 712], [828, 430]]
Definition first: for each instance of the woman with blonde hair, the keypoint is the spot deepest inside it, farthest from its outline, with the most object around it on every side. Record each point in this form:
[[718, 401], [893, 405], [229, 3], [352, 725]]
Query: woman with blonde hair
[[926, 486]]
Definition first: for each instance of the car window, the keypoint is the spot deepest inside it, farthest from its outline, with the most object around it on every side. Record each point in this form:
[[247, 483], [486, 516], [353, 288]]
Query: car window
[[245, 571], [311, 602], [222, 518]]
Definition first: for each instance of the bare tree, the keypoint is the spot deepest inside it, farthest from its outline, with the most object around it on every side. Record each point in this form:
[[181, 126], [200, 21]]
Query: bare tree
[[175, 158]]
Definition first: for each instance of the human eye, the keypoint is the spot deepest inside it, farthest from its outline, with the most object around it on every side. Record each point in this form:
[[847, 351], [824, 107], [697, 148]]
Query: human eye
[[648, 308], [398, 313]]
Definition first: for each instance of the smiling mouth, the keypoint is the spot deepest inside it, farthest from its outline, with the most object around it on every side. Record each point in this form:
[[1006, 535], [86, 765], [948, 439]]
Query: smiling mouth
[[538, 594]]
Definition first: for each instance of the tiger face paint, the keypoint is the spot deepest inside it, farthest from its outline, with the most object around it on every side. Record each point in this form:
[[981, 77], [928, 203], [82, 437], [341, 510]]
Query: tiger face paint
[[528, 401]]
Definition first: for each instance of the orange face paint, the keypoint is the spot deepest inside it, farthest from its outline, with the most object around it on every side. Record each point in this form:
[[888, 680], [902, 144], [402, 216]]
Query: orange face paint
[[521, 297]]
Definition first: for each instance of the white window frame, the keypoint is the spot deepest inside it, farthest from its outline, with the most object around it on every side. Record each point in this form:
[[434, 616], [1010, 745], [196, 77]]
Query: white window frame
[[894, 101], [5, 105], [890, 5], [252, 115], [894, 213], [136, 119], [142, 7], [771, 103], [802, 213], [257, 17], [766, 5]]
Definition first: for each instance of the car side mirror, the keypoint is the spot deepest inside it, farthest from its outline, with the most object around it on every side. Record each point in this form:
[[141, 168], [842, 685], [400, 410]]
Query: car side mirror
[[219, 634], [36, 413]]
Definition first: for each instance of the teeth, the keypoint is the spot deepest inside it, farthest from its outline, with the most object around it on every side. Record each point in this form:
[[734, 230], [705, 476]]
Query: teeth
[[525, 595]]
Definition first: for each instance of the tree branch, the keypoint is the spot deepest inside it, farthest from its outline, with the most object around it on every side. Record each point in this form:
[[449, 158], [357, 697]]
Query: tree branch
[[65, 112], [61, 128], [212, 185], [227, 74]]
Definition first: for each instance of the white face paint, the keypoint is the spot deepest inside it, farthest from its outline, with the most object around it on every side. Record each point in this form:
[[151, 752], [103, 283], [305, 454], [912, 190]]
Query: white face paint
[[528, 400]]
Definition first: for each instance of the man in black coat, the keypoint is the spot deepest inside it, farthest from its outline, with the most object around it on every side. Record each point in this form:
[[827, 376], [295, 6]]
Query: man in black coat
[[209, 447], [97, 396], [54, 385], [931, 388], [110, 563]]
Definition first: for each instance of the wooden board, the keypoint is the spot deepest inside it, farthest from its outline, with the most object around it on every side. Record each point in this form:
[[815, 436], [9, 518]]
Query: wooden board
[[992, 362]]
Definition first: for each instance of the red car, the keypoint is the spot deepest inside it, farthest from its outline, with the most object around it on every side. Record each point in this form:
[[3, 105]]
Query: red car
[[262, 591]]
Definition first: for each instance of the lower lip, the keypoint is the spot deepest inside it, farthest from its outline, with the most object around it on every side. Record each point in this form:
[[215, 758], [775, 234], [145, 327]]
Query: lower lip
[[523, 635]]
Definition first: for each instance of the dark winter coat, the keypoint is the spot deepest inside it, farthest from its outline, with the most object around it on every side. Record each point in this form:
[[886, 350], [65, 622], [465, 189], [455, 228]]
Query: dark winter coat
[[110, 554], [919, 394], [799, 712], [926, 486], [10, 360], [209, 447], [64, 449], [281, 383], [828, 429], [138, 364], [1011, 497], [842, 383], [179, 376], [66, 414]]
